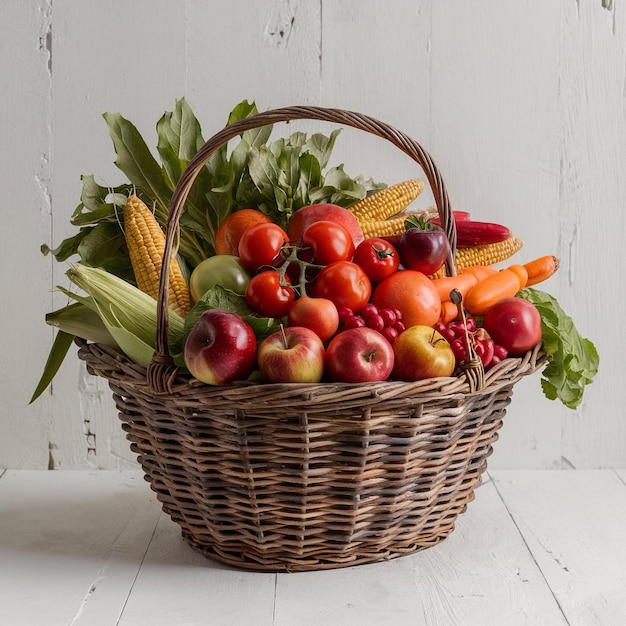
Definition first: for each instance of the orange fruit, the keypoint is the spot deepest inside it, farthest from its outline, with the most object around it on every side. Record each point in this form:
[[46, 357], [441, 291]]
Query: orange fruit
[[413, 294], [231, 229]]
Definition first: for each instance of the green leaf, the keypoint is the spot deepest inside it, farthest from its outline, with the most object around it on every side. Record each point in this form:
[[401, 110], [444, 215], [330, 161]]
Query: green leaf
[[310, 179], [242, 110], [321, 146], [67, 248], [573, 360], [179, 138], [58, 352], [136, 161], [220, 298], [104, 243]]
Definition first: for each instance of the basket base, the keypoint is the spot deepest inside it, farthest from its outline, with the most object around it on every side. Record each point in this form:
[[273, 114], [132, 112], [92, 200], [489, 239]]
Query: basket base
[[249, 561]]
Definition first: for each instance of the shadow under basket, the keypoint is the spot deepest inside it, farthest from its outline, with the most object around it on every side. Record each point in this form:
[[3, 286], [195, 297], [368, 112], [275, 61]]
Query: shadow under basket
[[289, 477], [294, 477]]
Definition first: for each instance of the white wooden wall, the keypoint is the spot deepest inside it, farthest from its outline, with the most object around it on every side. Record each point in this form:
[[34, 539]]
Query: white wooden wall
[[522, 105]]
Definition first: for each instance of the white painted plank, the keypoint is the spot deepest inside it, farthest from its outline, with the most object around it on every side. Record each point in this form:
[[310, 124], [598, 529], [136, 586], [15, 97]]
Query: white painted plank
[[376, 60], [117, 57], [592, 220], [177, 585], [573, 522], [265, 51], [25, 166], [495, 78], [482, 574], [71, 544]]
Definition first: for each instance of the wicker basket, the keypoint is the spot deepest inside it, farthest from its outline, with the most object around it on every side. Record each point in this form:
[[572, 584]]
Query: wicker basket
[[292, 477]]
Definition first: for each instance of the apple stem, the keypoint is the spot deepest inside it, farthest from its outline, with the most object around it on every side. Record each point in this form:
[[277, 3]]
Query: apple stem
[[433, 341], [369, 356], [284, 336]]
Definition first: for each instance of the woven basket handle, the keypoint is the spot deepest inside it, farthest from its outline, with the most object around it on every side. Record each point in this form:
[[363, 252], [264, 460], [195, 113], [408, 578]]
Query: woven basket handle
[[161, 372]]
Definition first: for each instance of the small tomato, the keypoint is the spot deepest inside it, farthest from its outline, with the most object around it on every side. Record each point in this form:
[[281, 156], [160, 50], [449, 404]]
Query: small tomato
[[328, 241], [221, 269], [318, 314], [266, 295], [260, 245], [378, 258], [345, 283]]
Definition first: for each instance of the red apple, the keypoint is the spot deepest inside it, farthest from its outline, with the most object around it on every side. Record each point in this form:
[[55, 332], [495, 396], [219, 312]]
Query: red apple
[[318, 314], [220, 348], [359, 355], [292, 355], [421, 352], [305, 216]]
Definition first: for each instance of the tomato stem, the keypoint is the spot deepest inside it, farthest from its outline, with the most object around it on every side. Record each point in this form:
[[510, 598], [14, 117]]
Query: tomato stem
[[381, 253], [289, 255]]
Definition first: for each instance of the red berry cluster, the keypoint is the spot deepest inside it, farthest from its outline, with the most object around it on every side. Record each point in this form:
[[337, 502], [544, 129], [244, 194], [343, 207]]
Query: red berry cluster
[[388, 322], [484, 346]]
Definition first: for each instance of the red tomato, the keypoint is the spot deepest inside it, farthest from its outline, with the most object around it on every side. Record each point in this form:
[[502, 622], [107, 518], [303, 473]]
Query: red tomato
[[345, 283], [260, 244], [318, 314], [377, 257], [266, 296], [329, 242], [514, 324]]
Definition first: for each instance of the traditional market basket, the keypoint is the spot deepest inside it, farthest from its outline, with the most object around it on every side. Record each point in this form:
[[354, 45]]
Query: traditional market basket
[[291, 477]]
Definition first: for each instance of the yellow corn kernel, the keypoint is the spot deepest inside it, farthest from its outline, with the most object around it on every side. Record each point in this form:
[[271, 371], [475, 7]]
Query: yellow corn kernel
[[388, 202], [488, 254], [382, 228], [146, 247]]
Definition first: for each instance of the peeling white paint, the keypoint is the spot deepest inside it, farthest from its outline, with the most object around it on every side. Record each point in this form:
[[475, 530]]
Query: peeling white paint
[[280, 25]]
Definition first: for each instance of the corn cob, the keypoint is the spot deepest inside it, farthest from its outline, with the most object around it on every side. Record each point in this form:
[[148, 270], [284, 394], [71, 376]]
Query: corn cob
[[388, 202], [488, 254], [383, 228], [146, 246]]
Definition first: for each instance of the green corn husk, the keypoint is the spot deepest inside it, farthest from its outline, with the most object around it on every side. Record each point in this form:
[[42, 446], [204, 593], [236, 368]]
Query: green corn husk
[[81, 320], [129, 314], [114, 313]]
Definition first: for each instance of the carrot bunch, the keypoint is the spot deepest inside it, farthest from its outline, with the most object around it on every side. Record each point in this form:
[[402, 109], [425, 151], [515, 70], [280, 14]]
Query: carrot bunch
[[483, 285]]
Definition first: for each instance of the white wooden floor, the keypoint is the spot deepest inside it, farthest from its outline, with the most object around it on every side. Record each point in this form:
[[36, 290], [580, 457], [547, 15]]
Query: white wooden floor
[[92, 548]]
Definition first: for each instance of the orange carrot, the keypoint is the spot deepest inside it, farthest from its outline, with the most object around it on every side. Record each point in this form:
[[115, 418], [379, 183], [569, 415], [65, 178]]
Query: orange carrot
[[521, 273], [449, 311], [505, 284], [541, 269], [462, 282], [480, 271]]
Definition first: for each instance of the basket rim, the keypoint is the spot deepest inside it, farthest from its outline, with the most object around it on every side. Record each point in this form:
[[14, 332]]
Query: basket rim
[[458, 386]]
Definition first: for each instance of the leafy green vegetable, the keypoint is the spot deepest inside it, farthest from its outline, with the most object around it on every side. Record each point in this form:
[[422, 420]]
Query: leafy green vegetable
[[277, 177], [572, 360], [220, 298]]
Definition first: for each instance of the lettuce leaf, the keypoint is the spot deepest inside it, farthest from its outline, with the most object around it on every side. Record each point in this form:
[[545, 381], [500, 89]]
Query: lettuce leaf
[[572, 359], [220, 298]]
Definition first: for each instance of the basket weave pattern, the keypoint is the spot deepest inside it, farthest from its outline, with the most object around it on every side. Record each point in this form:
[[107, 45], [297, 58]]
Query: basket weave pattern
[[292, 477]]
